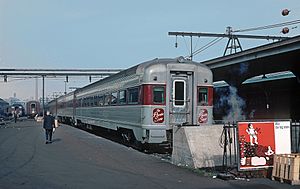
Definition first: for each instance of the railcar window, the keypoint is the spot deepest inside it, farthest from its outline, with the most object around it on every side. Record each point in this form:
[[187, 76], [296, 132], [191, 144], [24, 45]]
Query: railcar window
[[106, 100], [79, 103], [91, 101], [83, 102], [32, 106], [70, 104], [202, 96], [95, 100], [133, 96], [122, 97], [179, 93], [100, 100], [114, 98], [158, 95], [87, 101]]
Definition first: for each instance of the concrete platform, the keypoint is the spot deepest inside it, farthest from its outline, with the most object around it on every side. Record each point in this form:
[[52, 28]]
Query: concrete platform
[[77, 159], [197, 147]]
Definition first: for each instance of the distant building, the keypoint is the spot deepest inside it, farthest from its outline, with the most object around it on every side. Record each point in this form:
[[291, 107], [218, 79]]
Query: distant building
[[14, 100]]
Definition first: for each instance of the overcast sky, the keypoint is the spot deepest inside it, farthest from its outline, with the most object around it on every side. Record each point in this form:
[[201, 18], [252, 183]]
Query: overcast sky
[[119, 34]]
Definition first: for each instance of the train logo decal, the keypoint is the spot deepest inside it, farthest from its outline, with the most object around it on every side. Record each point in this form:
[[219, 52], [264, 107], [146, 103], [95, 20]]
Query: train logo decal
[[203, 116], [158, 115]]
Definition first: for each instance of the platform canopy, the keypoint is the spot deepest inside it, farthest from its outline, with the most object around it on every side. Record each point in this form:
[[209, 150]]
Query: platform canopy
[[271, 58]]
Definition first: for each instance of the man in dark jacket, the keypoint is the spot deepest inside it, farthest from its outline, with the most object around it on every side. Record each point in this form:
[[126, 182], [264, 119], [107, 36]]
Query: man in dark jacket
[[48, 126]]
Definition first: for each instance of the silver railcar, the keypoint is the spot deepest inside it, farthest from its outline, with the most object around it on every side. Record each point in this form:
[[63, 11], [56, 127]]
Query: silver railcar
[[145, 102], [63, 107]]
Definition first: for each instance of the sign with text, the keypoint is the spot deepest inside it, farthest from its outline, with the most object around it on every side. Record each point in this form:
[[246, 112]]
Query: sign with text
[[259, 141]]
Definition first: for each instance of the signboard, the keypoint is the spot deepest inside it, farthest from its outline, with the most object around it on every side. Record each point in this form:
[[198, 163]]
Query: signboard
[[259, 141]]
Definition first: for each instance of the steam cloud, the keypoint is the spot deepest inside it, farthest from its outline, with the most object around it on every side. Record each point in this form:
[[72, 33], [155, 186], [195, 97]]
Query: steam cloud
[[236, 105]]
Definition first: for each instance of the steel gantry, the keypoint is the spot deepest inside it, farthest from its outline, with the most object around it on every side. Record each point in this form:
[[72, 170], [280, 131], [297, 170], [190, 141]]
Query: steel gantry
[[233, 43], [44, 73]]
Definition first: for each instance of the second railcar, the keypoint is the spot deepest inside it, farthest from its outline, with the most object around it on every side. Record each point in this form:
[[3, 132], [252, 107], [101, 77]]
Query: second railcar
[[145, 102], [17, 110], [32, 108]]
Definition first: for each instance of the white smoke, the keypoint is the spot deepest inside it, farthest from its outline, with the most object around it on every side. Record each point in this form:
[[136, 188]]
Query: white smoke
[[236, 105]]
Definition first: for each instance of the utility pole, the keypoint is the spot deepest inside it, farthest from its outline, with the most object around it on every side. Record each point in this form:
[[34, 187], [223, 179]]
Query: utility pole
[[43, 95], [36, 89], [65, 87]]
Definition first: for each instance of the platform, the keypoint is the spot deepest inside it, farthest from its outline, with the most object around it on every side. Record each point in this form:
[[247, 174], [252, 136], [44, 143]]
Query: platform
[[77, 159]]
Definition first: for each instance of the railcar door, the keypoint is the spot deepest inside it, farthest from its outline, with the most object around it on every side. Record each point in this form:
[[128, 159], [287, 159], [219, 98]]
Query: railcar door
[[32, 109], [181, 102]]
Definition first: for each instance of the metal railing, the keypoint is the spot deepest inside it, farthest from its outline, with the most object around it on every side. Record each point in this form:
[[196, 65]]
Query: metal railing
[[295, 136], [228, 141]]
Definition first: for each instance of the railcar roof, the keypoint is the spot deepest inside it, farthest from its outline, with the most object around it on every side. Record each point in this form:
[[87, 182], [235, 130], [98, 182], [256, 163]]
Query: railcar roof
[[134, 69], [3, 101], [61, 97], [32, 101]]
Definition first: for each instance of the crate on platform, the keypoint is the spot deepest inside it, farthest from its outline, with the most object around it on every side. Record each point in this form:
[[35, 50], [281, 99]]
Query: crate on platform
[[286, 168]]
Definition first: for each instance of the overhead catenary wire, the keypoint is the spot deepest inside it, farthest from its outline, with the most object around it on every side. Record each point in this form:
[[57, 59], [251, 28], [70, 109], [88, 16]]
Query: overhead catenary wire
[[211, 43], [196, 45], [186, 45], [269, 26]]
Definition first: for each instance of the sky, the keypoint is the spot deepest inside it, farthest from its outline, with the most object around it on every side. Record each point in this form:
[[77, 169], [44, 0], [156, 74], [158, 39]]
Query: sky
[[65, 34]]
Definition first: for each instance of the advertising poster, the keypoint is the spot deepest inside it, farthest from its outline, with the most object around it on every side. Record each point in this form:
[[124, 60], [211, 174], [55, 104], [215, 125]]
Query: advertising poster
[[259, 141]]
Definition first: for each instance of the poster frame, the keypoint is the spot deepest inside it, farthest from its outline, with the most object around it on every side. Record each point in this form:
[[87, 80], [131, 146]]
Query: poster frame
[[238, 142]]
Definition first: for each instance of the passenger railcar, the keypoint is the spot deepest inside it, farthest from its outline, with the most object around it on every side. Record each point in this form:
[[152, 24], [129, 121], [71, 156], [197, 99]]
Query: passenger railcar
[[32, 108], [4, 108], [144, 102], [63, 107]]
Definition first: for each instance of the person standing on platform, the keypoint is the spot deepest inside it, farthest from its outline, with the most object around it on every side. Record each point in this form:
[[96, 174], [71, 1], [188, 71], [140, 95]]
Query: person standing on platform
[[15, 115], [48, 125]]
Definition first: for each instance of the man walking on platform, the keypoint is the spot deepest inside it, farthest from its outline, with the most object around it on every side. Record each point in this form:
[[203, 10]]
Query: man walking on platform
[[48, 125], [15, 115]]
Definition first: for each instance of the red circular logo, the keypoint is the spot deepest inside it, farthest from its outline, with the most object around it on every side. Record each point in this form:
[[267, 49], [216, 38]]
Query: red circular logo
[[203, 116], [158, 115]]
